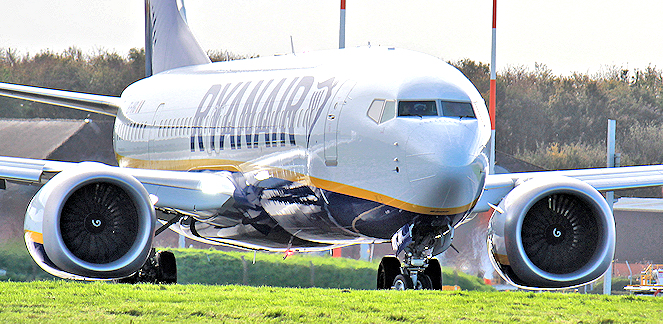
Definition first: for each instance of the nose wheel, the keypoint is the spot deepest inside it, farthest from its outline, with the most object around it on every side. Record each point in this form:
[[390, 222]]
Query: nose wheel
[[391, 275], [389, 269], [403, 282]]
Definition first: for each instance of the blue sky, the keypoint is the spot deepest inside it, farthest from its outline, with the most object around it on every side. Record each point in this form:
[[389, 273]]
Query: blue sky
[[584, 36]]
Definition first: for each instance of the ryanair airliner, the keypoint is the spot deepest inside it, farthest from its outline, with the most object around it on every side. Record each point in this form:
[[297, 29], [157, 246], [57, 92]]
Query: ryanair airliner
[[306, 152]]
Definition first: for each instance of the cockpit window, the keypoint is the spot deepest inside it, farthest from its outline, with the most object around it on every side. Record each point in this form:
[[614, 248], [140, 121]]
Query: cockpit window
[[436, 108], [389, 111], [382, 110], [457, 109], [375, 110], [417, 108]]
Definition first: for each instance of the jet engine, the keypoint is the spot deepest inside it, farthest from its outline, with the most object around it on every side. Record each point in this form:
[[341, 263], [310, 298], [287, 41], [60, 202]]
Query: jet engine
[[552, 232], [90, 222]]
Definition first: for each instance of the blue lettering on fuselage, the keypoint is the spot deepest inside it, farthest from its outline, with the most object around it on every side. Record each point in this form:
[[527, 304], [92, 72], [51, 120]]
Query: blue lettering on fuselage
[[237, 111]]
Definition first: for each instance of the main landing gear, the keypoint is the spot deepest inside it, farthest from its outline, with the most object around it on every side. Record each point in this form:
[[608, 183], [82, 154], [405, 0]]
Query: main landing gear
[[160, 268], [419, 269]]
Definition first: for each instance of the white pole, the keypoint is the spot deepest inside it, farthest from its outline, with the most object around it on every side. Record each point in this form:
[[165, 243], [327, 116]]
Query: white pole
[[612, 125], [370, 258], [610, 195], [364, 252]]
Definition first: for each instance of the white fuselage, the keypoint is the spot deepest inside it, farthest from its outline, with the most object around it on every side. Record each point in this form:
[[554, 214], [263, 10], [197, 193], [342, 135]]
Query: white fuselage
[[304, 118]]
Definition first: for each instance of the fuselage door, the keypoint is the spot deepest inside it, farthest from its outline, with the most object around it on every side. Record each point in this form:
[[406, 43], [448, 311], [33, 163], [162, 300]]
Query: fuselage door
[[153, 136], [331, 122]]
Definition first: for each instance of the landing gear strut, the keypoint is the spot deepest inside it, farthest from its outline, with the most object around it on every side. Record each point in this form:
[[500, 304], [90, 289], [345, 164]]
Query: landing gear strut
[[419, 269]]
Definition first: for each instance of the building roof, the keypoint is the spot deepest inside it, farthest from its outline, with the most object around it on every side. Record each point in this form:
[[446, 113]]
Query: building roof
[[58, 139], [651, 205], [35, 138]]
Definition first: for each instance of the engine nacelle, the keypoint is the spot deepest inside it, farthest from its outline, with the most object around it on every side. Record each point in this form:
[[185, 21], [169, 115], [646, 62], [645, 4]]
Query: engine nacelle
[[552, 232], [90, 222]]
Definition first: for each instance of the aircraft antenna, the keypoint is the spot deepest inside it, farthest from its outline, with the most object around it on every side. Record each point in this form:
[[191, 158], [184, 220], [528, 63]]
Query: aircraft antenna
[[292, 45], [493, 91]]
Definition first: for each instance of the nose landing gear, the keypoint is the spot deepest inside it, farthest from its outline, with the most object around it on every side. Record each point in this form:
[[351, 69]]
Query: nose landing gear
[[419, 269]]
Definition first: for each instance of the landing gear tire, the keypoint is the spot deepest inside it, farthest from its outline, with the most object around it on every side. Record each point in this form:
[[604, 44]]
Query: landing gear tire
[[403, 282], [166, 267], [389, 268], [424, 282], [434, 273]]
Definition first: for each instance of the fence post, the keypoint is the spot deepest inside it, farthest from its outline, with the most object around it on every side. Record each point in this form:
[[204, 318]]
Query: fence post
[[455, 277], [245, 275], [312, 274]]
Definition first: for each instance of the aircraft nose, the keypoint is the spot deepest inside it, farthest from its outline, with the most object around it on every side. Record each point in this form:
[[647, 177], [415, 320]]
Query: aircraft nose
[[444, 164]]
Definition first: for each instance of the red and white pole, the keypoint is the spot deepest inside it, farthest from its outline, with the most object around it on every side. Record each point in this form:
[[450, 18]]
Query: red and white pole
[[493, 91], [341, 32], [337, 252]]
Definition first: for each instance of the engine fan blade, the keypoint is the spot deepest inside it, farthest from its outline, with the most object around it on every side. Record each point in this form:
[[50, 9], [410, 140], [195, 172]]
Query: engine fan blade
[[99, 223], [559, 234]]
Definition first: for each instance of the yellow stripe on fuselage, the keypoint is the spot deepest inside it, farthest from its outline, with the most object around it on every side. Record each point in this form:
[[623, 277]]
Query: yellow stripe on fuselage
[[237, 166]]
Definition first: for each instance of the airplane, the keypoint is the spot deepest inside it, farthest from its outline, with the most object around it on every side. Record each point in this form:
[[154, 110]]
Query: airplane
[[306, 152]]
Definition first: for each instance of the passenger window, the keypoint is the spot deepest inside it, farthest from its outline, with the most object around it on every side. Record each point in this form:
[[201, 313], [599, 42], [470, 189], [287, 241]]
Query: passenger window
[[375, 111], [457, 109], [417, 108], [389, 111]]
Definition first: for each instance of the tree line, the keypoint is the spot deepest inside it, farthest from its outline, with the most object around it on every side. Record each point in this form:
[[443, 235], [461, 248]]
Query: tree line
[[560, 122], [552, 121], [103, 72]]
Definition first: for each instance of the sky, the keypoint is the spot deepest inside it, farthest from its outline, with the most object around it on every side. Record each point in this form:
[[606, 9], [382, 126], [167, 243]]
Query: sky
[[586, 36]]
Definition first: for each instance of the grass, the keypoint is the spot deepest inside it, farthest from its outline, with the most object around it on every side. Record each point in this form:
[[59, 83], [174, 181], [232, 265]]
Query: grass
[[300, 270], [59, 301], [269, 269], [212, 267]]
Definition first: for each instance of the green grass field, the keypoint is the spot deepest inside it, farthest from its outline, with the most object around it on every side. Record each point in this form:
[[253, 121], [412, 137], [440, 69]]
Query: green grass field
[[64, 301], [211, 267]]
